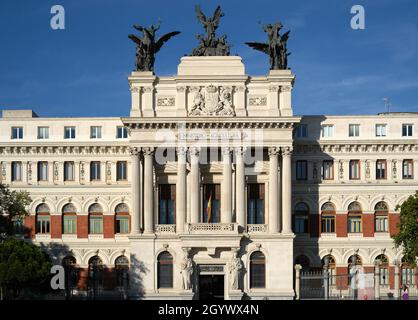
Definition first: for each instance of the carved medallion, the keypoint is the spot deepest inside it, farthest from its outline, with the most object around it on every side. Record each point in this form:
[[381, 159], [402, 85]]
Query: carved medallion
[[212, 101]]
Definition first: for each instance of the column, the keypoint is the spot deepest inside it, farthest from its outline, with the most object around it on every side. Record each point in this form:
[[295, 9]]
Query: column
[[194, 184], [397, 279], [136, 190], [148, 190], [226, 194], [377, 280], [240, 187], [273, 188], [181, 191], [287, 190]]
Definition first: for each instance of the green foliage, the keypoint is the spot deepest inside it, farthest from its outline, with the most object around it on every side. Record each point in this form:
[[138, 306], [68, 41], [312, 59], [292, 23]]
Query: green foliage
[[23, 265], [13, 206], [407, 238]]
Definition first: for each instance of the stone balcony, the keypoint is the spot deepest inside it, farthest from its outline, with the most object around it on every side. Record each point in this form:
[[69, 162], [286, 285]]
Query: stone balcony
[[257, 228], [165, 229], [212, 228]]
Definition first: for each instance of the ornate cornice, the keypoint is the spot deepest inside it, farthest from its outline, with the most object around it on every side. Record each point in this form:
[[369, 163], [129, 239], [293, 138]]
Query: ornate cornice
[[64, 150]]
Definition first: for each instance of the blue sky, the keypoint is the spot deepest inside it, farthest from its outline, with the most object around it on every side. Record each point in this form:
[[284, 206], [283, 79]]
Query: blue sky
[[82, 70]]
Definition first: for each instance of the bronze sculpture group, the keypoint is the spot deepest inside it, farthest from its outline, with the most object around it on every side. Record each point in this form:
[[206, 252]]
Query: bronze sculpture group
[[209, 44]]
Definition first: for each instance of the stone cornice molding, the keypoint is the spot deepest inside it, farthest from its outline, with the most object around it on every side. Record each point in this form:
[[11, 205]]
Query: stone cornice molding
[[373, 147], [64, 150]]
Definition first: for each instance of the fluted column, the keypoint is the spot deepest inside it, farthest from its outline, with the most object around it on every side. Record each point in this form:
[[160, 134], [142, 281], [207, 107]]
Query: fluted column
[[136, 190], [195, 185], [181, 189], [273, 187], [226, 195], [287, 190], [240, 187], [148, 190]]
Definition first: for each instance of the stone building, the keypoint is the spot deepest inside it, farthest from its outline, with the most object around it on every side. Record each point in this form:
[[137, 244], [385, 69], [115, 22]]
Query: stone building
[[212, 187]]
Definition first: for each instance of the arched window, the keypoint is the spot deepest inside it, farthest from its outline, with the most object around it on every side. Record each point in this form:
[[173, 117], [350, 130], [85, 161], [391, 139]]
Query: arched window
[[257, 270], [122, 218], [331, 268], [95, 219], [303, 261], [381, 212], [43, 219], [165, 270], [408, 274], [122, 271], [301, 217], [354, 217], [383, 264], [69, 219], [328, 217], [71, 273], [95, 280]]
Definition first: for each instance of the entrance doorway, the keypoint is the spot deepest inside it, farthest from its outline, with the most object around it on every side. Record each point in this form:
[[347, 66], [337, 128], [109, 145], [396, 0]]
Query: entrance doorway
[[211, 287]]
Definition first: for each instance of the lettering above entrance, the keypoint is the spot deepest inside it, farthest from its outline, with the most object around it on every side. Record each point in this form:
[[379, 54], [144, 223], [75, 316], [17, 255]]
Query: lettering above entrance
[[211, 268]]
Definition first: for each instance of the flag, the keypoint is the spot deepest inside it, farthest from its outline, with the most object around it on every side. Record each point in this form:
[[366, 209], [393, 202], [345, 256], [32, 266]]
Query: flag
[[209, 208]]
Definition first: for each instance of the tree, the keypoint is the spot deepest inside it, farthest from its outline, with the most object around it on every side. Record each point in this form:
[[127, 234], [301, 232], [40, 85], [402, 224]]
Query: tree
[[23, 265], [407, 238], [13, 206]]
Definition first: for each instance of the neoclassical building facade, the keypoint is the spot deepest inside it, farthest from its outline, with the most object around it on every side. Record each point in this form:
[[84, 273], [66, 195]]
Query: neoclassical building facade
[[212, 187]]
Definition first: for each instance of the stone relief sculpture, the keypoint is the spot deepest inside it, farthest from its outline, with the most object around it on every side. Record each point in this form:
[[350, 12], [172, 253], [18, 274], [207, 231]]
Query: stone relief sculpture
[[276, 47], [187, 271], [209, 44], [235, 267], [147, 47], [212, 101]]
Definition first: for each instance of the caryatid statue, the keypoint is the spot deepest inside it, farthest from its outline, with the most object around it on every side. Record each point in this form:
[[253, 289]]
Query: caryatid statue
[[235, 267], [147, 46], [276, 48], [186, 270]]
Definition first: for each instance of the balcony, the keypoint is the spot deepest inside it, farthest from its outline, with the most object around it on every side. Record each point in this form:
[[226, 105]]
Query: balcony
[[257, 228], [212, 228], [165, 229]]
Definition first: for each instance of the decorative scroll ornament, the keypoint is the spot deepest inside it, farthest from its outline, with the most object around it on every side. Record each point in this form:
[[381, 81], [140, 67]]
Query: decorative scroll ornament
[[212, 101]]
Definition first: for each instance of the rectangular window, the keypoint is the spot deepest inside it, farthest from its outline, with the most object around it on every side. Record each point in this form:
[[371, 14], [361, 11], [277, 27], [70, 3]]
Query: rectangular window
[[43, 132], [17, 132], [381, 223], [384, 276], [95, 132], [95, 171], [380, 130], [407, 130], [408, 169], [69, 132], [96, 224], [69, 224], [381, 169], [42, 224], [301, 224], [121, 133], [302, 131], [122, 224], [255, 205], [121, 172], [211, 203], [69, 171], [328, 224], [408, 276], [16, 171], [354, 224], [328, 170], [327, 130], [167, 203], [301, 170], [354, 170], [42, 171], [353, 130]]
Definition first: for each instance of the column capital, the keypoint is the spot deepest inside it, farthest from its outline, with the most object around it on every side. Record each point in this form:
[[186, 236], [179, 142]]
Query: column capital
[[226, 151], [240, 151], [287, 151], [148, 151], [273, 151], [181, 151], [135, 151], [194, 151]]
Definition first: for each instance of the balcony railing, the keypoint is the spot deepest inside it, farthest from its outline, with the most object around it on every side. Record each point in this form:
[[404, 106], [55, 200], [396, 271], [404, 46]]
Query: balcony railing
[[214, 228], [165, 228], [256, 228]]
